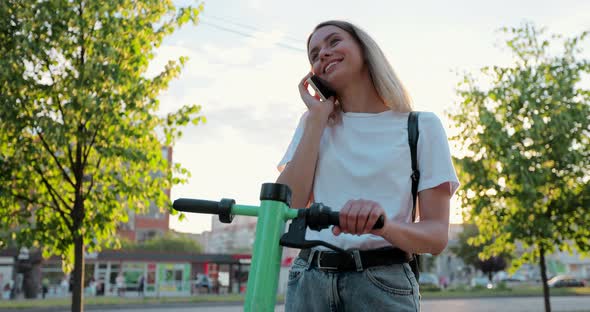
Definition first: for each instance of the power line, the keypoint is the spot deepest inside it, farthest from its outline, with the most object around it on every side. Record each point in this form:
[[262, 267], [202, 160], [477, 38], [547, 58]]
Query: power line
[[248, 35], [227, 20], [237, 32]]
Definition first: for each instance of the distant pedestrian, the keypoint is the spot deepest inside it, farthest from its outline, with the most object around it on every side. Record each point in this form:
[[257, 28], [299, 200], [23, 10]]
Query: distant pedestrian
[[120, 284], [92, 287], [140, 286], [64, 285], [6, 291], [44, 287], [443, 282]]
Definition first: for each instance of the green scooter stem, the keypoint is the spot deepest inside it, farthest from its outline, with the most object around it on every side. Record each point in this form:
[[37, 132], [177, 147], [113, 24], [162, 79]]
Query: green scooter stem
[[264, 270]]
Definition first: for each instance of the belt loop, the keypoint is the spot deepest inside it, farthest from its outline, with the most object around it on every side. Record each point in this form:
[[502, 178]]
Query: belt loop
[[357, 260], [310, 258]]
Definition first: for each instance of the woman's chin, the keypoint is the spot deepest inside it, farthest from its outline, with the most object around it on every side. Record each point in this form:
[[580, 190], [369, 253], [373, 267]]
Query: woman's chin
[[336, 82]]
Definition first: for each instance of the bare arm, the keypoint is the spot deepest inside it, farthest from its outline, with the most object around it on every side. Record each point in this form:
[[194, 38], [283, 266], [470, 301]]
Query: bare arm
[[431, 234], [300, 171]]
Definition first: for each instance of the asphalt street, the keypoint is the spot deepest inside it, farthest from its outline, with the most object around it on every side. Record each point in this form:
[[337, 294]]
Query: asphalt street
[[520, 304]]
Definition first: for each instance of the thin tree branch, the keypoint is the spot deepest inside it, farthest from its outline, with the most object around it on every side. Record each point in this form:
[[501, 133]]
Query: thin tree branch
[[70, 158], [53, 78], [63, 117], [38, 204], [79, 168], [92, 179], [47, 65], [49, 187], [92, 141], [54, 197], [65, 174]]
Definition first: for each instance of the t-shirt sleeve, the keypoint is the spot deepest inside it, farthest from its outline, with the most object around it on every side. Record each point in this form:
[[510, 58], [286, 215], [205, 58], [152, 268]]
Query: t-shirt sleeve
[[294, 143], [434, 156]]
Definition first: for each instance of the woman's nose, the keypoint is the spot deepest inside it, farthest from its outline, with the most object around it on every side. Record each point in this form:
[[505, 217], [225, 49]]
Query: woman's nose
[[325, 52]]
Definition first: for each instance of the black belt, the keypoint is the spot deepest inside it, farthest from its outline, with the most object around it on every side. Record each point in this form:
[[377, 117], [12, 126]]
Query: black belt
[[354, 260]]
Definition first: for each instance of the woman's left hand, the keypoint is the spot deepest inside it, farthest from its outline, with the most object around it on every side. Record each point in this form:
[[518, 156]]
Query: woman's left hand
[[359, 216]]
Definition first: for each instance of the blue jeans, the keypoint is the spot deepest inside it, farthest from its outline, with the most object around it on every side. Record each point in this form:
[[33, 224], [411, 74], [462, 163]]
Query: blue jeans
[[380, 288]]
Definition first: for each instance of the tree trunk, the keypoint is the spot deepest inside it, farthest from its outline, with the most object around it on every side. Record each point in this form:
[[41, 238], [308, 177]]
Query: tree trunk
[[78, 215], [78, 281], [30, 284], [544, 279]]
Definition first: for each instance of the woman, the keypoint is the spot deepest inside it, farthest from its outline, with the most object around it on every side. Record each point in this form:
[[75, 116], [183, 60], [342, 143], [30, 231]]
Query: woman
[[351, 153]]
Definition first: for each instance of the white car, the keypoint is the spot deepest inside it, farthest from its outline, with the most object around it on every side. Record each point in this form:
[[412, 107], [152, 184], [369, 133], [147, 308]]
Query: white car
[[428, 279], [504, 277], [482, 281]]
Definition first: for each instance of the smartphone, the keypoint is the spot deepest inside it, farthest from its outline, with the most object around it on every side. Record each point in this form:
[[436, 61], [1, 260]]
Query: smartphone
[[321, 87]]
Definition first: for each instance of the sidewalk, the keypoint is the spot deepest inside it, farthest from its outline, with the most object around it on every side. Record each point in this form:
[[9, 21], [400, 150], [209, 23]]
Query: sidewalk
[[135, 302], [523, 304]]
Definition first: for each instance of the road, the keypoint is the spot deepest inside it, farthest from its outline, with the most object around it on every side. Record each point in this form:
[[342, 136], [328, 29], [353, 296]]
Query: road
[[521, 304]]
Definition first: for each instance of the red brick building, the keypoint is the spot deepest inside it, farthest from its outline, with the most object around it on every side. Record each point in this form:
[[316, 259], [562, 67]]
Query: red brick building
[[154, 222]]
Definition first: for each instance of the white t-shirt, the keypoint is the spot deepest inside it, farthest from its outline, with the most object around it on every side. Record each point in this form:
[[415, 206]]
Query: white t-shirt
[[367, 156]]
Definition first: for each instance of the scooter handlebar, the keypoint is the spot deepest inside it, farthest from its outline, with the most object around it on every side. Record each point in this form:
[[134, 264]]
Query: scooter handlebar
[[319, 217], [196, 205], [335, 220], [221, 208]]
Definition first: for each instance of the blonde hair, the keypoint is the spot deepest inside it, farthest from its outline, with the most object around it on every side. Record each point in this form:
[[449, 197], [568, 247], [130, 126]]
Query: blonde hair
[[388, 86]]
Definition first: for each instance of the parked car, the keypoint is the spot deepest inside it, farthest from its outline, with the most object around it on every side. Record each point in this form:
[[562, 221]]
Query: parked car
[[428, 281], [505, 277], [481, 281], [202, 282], [565, 281], [516, 277]]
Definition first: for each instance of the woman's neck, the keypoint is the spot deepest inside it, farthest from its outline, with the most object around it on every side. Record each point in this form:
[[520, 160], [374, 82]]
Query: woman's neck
[[360, 96]]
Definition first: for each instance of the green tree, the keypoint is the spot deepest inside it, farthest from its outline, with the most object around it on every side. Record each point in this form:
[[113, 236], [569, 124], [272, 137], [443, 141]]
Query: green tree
[[165, 243], [524, 131], [470, 253], [81, 140], [464, 249]]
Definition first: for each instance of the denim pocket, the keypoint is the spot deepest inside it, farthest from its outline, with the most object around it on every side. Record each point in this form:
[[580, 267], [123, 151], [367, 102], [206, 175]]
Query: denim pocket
[[392, 279], [296, 271]]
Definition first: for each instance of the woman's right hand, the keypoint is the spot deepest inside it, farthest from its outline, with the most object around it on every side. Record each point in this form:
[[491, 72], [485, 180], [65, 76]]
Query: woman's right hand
[[317, 109]]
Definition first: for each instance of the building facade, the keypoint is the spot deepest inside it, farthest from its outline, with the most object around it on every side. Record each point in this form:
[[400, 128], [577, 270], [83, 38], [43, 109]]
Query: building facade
[[154, 222]]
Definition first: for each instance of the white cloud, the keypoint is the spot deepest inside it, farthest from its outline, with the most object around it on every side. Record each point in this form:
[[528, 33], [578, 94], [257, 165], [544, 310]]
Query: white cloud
[[229, 84], [249, 95], [255, 4], [228, 56], [227, 168]]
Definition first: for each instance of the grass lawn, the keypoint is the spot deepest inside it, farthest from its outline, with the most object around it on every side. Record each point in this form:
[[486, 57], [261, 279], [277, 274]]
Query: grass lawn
[[97, 301], [457, 293], [507, 292]]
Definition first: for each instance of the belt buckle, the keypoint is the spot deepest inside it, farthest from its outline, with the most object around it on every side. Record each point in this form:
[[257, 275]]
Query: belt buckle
[[356, 255], [319, 265]]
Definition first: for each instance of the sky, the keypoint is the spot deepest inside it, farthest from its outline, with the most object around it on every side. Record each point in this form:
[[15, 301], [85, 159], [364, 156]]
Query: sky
[[247, 57]]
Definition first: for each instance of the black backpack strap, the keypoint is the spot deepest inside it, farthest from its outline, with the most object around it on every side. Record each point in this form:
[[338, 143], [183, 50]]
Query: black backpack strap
[[413, 140], [413, 135]]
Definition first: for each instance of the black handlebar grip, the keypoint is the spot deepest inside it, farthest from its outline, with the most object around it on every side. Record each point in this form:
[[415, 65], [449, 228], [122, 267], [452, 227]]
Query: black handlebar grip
[[335, 220], [379, 223], [196, 205]]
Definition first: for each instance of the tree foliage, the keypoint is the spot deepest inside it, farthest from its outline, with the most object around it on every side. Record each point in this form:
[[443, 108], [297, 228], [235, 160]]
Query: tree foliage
[[524, 132], [165, 243], [470, 253], [80, 135]]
